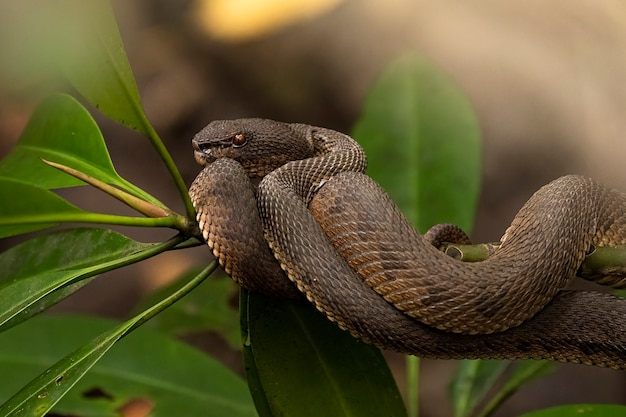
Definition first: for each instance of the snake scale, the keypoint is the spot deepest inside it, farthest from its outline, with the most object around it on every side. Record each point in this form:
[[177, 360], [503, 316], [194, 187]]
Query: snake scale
[[287, 210]]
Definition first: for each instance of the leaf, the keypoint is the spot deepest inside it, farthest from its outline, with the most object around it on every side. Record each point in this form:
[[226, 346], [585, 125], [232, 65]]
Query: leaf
[[78, 40], [423, 143], [43, 392], [523, 373], [62, 130], [207, 309], [26, 208], [37, 272], [472, 381], [299, 363], [580, 410], [186, 382], [476, 377]]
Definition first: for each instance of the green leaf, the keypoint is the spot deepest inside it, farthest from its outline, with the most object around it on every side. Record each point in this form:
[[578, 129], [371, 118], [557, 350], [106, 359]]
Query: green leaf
[[62, 130], [80, 41], [36, 273], [523, 373], [26, 208], [207, 309], [472, 381], [43, 392], [186, 382], [580, 410], [423, 143], [300, 364]]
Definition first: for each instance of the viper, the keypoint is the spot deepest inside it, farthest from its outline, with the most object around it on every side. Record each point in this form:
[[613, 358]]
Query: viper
[[288, 211]]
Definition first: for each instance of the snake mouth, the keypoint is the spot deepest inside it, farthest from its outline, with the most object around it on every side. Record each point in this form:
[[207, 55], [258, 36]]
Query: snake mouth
[[203, 158]]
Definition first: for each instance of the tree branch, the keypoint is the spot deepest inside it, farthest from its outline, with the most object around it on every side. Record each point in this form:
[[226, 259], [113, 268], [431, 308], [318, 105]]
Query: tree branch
[[605, 265]]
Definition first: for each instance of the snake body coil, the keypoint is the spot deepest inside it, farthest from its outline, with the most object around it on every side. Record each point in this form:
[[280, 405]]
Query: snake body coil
[[344, 244]]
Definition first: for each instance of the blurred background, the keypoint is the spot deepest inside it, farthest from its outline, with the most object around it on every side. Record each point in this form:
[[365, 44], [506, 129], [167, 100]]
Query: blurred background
[[547, 80]]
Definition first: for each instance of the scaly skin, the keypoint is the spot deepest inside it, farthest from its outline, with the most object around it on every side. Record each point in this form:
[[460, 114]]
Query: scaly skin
[[346, 247]]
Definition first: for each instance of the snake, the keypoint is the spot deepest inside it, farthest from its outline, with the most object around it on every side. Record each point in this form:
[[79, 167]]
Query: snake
[[288, 210]]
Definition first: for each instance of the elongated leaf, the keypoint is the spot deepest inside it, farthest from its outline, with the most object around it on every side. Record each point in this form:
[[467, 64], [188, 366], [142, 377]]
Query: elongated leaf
[[423, 145], [185, 382], [300, 364], [37, 272], [472, 381], [580, 410], [78, 40], [26, 207], [63, 131], [43, 392], [51, 251], [422, 140], [523, 373]]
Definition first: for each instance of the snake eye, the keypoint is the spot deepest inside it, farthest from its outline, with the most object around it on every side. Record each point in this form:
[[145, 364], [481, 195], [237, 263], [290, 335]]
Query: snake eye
[[239, 140]]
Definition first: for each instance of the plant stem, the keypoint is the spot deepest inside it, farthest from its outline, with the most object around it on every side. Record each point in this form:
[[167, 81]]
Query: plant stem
[[412, 366], [605, 265], [176, 222], [156, 141], [133, 258], [521, 376], [79, 274], [190, 243], [180, 293], [74, 366]]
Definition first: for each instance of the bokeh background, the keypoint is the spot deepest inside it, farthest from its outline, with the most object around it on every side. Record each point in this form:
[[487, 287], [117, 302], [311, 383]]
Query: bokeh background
[[547, 79]]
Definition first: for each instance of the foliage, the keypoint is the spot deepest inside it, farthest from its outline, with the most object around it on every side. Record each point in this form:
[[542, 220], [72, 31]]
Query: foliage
[[81, 366], [351, 377], [185, 382], [416, 118]]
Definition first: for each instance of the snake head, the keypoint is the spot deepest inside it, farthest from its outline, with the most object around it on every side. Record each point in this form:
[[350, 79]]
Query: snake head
[[259, 145]]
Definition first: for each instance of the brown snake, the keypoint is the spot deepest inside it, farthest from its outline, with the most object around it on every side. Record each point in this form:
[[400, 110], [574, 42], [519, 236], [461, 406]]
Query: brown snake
[[276, 196]]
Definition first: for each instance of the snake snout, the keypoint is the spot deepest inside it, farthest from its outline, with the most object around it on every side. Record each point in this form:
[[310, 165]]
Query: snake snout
[[202, 156]]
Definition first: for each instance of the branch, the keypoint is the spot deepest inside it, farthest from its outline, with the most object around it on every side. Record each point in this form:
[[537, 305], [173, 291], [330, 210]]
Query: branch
[[605, 265]]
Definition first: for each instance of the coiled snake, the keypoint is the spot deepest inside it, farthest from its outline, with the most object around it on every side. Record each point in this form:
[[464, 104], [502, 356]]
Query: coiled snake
[[283, 204]]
